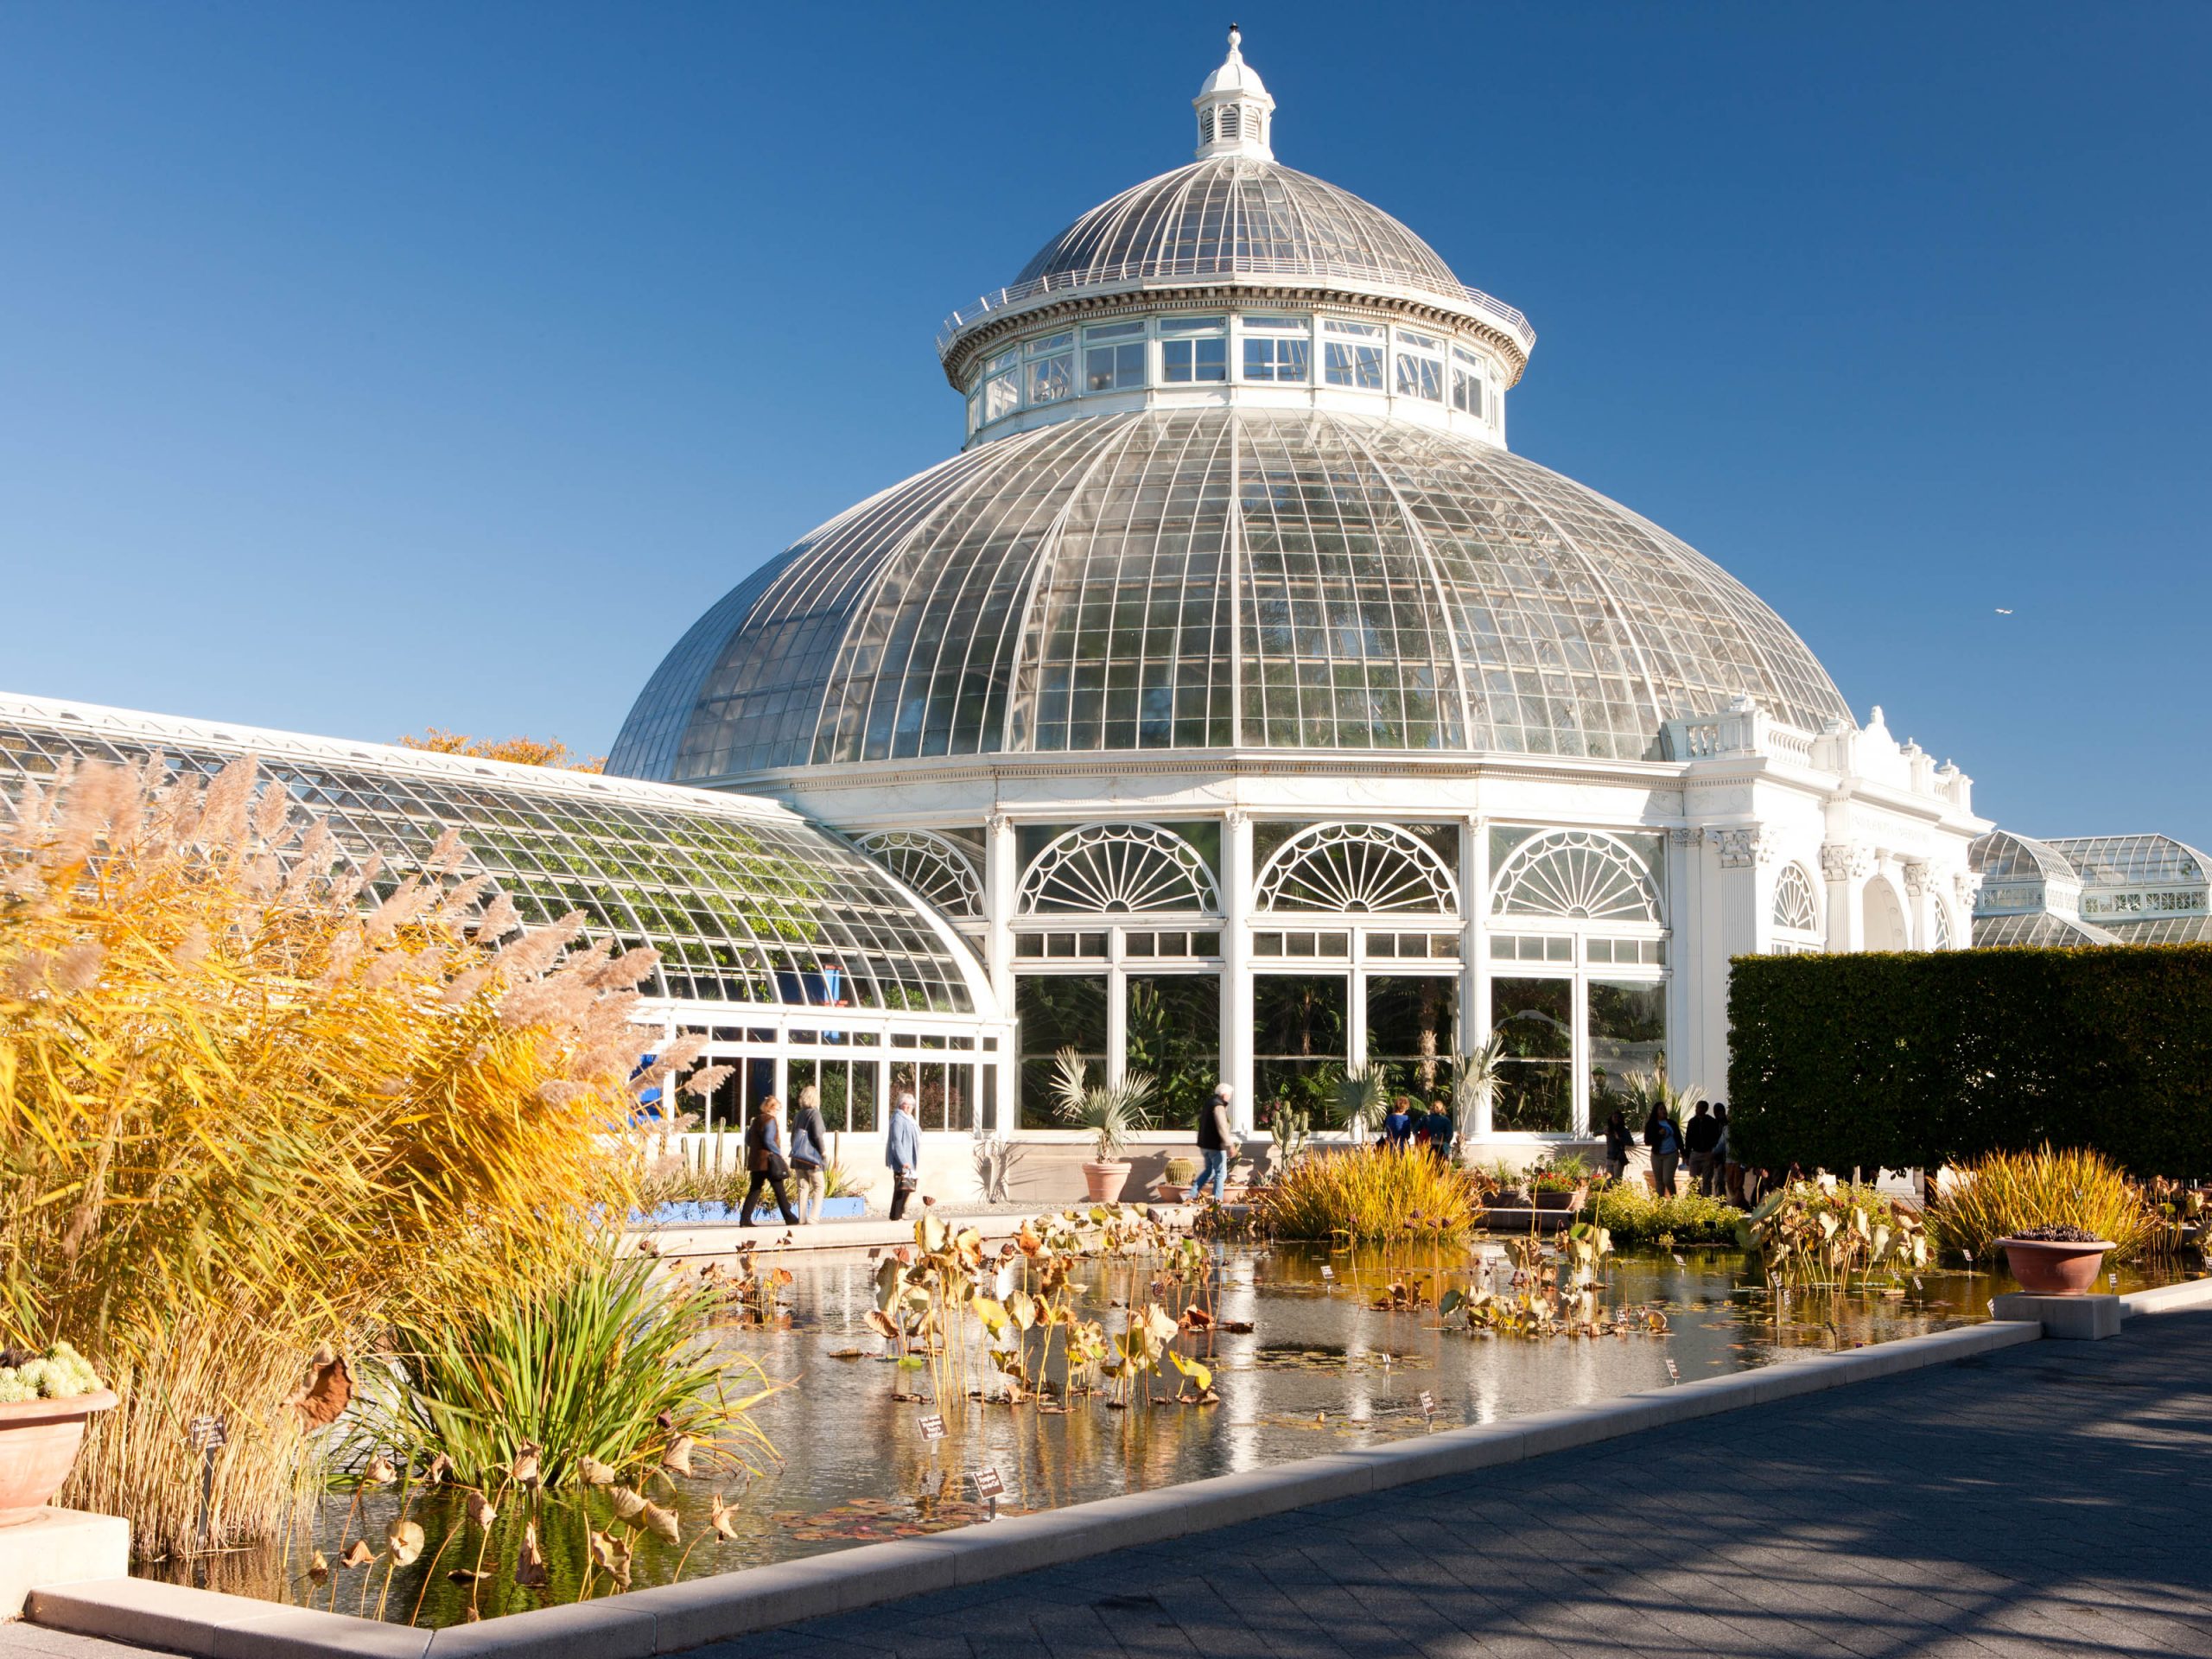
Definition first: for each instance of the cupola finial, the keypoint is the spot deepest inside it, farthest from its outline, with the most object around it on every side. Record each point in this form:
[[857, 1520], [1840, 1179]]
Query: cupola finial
[[1235, 112]]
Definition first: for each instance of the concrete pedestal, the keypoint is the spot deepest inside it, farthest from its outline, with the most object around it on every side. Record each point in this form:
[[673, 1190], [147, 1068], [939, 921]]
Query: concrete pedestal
[[59, 1547], [2072, 1318]]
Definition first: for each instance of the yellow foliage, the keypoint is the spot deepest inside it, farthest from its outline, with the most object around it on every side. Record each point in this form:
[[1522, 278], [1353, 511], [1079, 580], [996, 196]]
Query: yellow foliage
[[253, 1101], [2006, 1191], [519, 751], [1375, 1192]]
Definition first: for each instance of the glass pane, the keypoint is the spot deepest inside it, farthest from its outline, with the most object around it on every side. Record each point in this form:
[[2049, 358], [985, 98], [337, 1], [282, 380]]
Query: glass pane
[[1001, 396], [1174, 1035], [1052, 379], [1299, 1041], [1537, 1019], [1627, 1032], [1057, 1011], [1409, 1023], [1355, 366]]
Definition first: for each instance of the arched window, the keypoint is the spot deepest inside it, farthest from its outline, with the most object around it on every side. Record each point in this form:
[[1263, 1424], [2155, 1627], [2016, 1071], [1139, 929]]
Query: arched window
[[1578, 875], [1795, 911], [1111, 869], [1942, 927], [1357, 869], [932, 865]]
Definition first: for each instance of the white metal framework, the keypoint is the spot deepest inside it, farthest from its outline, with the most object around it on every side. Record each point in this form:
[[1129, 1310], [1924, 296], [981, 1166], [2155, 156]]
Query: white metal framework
[[1106, 869], [1357, 869], [1576, 876], [932, 866], [1795, 909]]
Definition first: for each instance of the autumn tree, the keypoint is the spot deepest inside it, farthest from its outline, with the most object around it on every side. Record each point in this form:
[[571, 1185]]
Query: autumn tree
[[520, 751]]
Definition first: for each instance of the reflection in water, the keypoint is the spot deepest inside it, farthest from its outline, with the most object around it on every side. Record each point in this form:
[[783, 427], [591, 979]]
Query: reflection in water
[[1320, 1371]]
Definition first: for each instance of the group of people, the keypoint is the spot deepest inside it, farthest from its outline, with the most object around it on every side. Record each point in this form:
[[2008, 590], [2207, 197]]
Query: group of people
[[1406, 1124], [1702, 1143], [801, 1157]]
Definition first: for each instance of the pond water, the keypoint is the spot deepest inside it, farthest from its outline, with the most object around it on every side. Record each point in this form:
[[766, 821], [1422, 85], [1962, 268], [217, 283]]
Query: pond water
[[1319, 1371]]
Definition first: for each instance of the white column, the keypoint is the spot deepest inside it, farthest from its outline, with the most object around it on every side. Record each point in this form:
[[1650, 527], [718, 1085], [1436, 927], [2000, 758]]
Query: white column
[[1685, 943], [1117, 1008], [1236, 963], [999, 875], [1474, 945], [1845, 866]]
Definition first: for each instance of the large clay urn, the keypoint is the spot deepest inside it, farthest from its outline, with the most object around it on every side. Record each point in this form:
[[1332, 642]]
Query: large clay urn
[[1103, 1178], [2054, 1267], [38, 1446]]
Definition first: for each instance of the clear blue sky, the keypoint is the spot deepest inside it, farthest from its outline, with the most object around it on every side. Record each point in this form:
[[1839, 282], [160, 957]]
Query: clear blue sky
[[363, 367]]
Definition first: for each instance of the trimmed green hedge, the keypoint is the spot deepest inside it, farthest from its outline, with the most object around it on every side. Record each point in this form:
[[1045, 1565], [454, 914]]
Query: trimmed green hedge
[[1907, 1061]]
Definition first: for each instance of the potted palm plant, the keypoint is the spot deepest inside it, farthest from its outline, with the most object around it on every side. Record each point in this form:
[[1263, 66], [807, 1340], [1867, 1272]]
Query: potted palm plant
[[1111, 1111], [1362, 1099], [1481, 1073], [45, 1402]]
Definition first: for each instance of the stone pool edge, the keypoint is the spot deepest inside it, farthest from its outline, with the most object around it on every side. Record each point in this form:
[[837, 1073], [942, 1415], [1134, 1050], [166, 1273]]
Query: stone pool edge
[[670, 1619]]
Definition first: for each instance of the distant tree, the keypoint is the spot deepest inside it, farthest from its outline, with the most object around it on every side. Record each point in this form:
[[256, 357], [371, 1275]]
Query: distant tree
[[522, 751]]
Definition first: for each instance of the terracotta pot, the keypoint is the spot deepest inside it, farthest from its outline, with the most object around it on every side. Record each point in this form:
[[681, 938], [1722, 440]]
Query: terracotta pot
[[1104, 1180], [38, 1446], [2047, 1268]]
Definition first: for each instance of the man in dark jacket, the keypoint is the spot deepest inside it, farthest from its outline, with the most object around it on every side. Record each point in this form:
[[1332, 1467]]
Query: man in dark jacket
[[1215, 1137], [1699, 1136]]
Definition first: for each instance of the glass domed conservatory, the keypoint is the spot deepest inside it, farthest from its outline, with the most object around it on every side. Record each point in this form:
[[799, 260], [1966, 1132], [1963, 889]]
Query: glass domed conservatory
[[1257, 713]]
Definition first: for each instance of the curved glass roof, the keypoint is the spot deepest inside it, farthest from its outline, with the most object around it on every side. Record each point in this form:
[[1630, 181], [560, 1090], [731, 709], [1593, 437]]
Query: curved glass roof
[[2001, 855], [1210, 578], [1240, 216], [2127, 861], [1235, 214], [2041, 930], [745, 901]]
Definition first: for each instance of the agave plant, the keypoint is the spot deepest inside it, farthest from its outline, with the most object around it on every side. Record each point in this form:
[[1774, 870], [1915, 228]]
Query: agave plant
[[1111, 1111]]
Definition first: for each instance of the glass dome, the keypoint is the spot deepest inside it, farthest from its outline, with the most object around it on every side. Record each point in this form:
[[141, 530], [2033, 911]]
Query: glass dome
[[1233, 215], [1212, 579]]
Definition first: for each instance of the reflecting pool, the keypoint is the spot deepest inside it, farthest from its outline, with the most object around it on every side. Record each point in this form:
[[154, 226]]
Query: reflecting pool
[[1304, 1362]]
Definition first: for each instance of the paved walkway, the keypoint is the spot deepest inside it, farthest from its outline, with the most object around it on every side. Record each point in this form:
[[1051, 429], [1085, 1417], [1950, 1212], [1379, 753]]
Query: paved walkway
[[2051, 1499]]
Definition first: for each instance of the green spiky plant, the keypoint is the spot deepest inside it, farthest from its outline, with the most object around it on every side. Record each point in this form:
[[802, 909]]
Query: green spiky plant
[[1110, 1111]]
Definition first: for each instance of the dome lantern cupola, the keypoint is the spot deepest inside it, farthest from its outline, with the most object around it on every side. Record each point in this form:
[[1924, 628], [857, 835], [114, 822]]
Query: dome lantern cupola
[[1234, 109]]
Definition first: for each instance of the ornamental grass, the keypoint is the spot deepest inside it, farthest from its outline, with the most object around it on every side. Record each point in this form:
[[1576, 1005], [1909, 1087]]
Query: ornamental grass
[[602, 1375], [256, 1101], [2008, 1191], [1378, 1192]]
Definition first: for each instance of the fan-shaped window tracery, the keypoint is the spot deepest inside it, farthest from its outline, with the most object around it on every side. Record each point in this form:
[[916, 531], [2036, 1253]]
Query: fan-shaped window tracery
[[1795, 910], [1357, 869], [1119, 869], [932, 865], [1579, 875]]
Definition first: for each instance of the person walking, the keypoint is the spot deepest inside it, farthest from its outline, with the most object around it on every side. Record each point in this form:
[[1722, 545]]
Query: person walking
[[1699, 1135], [764, 1156], [902, 1151], [809, 1155], [1399, 1123], [1728, 1174], [1439, 1128], [1216, 1136], [1618, 1141], [1666, 1143]]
